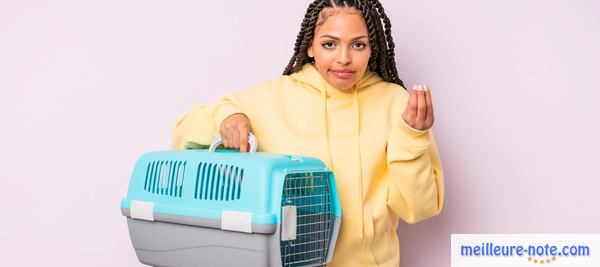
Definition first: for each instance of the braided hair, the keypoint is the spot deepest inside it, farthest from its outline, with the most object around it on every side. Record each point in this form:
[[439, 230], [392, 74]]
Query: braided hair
[[379, 27]]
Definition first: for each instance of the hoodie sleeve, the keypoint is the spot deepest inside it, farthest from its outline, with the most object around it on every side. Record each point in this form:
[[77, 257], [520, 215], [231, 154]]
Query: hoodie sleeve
[[416, 188], [199, 126]]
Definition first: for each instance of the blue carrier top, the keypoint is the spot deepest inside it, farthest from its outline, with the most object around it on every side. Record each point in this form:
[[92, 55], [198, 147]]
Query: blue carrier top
[[228, 190]]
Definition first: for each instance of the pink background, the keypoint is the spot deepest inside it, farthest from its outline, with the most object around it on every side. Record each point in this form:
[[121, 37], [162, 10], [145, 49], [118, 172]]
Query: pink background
[[86, 87]]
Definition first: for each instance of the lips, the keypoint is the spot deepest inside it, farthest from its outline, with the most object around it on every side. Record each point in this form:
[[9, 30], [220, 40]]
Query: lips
[[342, 73]]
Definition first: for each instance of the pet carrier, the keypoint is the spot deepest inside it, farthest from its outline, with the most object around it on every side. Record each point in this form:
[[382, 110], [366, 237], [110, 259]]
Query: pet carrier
[[222, 208]]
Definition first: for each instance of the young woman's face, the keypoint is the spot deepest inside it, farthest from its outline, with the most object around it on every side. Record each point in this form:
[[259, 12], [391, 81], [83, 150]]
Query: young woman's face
[[341, 47]]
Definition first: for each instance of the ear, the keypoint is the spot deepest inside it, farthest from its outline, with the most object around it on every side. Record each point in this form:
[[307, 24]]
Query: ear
[[310, 52]]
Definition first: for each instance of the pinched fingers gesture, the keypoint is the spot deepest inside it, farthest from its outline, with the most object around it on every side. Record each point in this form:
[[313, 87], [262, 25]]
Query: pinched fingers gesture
[[419, 109]]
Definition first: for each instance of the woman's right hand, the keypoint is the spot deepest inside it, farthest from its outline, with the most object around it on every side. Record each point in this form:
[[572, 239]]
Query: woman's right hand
[[234, 131]]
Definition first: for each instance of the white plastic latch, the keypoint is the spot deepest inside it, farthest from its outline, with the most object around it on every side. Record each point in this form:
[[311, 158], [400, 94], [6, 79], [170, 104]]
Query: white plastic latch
[[142, 210], [288, 223], [236, 221]]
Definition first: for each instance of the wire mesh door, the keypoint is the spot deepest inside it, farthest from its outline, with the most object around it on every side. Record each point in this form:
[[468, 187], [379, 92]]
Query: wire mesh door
[[310, 193]]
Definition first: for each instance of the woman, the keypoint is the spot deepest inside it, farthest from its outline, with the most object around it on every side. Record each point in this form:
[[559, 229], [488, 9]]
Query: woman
[[341, 100]]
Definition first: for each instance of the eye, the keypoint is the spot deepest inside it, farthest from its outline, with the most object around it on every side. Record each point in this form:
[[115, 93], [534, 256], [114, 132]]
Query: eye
[[359, 45], [328, 45]]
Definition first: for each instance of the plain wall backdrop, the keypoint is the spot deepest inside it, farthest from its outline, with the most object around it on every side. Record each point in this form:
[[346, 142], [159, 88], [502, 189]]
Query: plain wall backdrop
[[88, 86]]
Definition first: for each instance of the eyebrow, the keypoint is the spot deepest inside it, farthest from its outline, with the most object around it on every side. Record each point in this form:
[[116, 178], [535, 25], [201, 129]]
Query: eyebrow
[[337, 38]]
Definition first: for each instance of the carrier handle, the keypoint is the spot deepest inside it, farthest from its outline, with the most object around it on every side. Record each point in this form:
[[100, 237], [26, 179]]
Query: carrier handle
[[218, 141]]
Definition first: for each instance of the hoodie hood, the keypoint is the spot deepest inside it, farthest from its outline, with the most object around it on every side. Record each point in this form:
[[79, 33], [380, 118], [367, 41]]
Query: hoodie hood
[[310, 79]]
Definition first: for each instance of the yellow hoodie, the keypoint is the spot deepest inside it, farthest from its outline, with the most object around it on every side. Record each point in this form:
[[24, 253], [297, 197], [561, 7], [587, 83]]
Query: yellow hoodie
[[384, 169]]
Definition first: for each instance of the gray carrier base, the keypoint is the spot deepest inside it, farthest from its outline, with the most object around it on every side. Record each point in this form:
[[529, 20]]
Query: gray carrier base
[[178, 245]]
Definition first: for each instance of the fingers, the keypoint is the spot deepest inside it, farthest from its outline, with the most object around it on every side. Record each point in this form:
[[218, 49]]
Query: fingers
[[410, 110], [412, 102], [421, 108], [243, 140], [234, 132], [418, 113], [429, 119], [225, 136], [235, 138]]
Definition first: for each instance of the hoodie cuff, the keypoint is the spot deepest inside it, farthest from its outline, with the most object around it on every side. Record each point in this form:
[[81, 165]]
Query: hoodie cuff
[[404, 134], [410, 131], [224, 111]]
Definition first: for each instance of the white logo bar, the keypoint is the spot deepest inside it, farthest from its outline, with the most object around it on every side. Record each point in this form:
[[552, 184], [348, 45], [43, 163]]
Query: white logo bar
[[528, 250]]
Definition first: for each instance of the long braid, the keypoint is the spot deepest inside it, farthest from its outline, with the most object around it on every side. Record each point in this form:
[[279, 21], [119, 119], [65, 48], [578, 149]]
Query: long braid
[[382, 59], [372, 32], [304, 38], [391, 55], [379, 28]]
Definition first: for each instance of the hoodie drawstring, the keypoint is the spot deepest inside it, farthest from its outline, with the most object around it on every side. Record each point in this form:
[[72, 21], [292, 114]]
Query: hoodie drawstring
[[326, 127], [357, 128], [360, 174]]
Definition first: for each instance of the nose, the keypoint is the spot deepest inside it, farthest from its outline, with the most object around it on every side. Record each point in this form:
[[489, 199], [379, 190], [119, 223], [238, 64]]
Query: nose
[[344, 57]]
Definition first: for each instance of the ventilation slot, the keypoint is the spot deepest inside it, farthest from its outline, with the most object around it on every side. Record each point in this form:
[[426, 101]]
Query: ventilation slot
[[218, 182], [165, 178], [310, 193]]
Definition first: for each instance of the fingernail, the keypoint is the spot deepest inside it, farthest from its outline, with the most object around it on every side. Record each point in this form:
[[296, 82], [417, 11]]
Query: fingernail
[[415, 88], [426, 87], [420, 87]]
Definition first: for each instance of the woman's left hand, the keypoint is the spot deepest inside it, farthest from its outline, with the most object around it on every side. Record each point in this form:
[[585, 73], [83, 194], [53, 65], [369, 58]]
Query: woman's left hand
[[419, 110]]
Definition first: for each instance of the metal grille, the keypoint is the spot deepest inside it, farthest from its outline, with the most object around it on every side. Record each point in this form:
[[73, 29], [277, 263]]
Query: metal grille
[[310, 193], [165, 177]]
